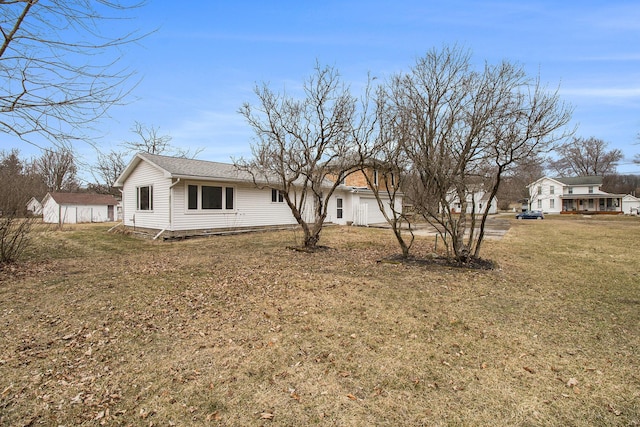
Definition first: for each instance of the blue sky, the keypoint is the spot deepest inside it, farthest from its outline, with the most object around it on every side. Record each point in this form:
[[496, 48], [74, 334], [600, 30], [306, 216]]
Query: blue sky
[[206, 57]]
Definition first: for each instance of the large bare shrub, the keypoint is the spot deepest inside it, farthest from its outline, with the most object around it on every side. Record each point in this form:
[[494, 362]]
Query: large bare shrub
[[15, 236]]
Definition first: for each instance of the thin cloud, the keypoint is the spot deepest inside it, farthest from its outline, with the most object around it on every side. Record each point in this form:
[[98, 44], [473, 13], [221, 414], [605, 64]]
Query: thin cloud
[[602, 92]]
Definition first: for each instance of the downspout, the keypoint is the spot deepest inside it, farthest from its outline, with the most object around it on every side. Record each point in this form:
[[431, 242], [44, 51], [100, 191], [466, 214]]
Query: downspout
[[170, 227], [121, 205], [171, 203]]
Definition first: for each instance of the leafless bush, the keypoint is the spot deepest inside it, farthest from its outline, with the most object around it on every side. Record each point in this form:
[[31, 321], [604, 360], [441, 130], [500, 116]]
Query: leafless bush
[[15, 237]]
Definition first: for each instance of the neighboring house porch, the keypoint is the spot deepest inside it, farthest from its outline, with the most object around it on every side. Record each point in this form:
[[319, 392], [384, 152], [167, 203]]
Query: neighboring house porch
[[597, 204]]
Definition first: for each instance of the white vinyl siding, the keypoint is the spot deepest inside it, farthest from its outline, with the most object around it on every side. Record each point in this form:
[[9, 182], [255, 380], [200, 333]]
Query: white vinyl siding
[[252, 207], [146, 175]]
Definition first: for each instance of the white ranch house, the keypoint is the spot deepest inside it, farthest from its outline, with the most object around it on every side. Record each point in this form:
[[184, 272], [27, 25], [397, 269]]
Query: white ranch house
[[575, 195], [72, 208], [170, 196]]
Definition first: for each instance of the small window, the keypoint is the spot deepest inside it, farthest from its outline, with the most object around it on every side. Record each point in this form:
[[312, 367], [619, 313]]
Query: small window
[[276, 196], [570, 190], [339, 210], [539, 189], [552, 204], [144, 198], [539, 204], [590, 190], [193, 197], [228, 199], [552, 189], [393, 180], [375, 177]]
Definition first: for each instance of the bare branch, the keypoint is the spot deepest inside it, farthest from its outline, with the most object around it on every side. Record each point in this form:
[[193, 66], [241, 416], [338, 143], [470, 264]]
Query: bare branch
[[58, 71]]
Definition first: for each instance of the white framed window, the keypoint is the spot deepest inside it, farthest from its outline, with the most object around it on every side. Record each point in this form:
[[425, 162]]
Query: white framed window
[[276, 196], [552, 204], [552, 189], [570, 190], [339, 208], [144, 198], [210, 198], [590, 190], [539, 189], [539, 204]]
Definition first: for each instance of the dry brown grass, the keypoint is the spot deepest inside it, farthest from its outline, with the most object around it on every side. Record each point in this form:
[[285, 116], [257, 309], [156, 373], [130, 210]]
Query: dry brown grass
[[106, 329]]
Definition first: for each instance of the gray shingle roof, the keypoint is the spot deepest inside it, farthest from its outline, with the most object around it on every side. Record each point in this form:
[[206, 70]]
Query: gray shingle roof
[[83, 199], [177, 167], [181, 167], [580, 180]]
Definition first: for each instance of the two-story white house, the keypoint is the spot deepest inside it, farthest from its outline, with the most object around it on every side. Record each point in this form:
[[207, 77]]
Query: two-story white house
[[573, 195], [477, 202]]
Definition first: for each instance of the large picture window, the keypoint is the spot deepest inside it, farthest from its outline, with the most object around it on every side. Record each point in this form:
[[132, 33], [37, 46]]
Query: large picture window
[[209, 197], [144, 198]]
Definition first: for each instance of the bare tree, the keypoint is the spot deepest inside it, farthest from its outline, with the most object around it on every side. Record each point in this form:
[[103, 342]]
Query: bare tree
[[380, 150], [585, 157], [621, 184], [12, 197], [531, 120], [19, 181], [108, 168], [300, 143], [58, 71], [151, 141], [514, 183], [58, 169], [462, 130]]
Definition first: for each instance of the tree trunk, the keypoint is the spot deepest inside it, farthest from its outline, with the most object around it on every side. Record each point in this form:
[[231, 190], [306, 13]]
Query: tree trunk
[[494, 191]]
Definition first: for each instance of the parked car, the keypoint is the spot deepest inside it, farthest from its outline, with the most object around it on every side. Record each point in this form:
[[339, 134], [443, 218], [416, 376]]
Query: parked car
[[530, 215]]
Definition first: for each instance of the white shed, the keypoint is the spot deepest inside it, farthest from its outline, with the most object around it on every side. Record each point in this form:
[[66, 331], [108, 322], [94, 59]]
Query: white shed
[[34, 207], [631, 205], [71, 208]]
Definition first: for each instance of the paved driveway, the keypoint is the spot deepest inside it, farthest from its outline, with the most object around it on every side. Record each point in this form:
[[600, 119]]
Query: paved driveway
[[496, 227]]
